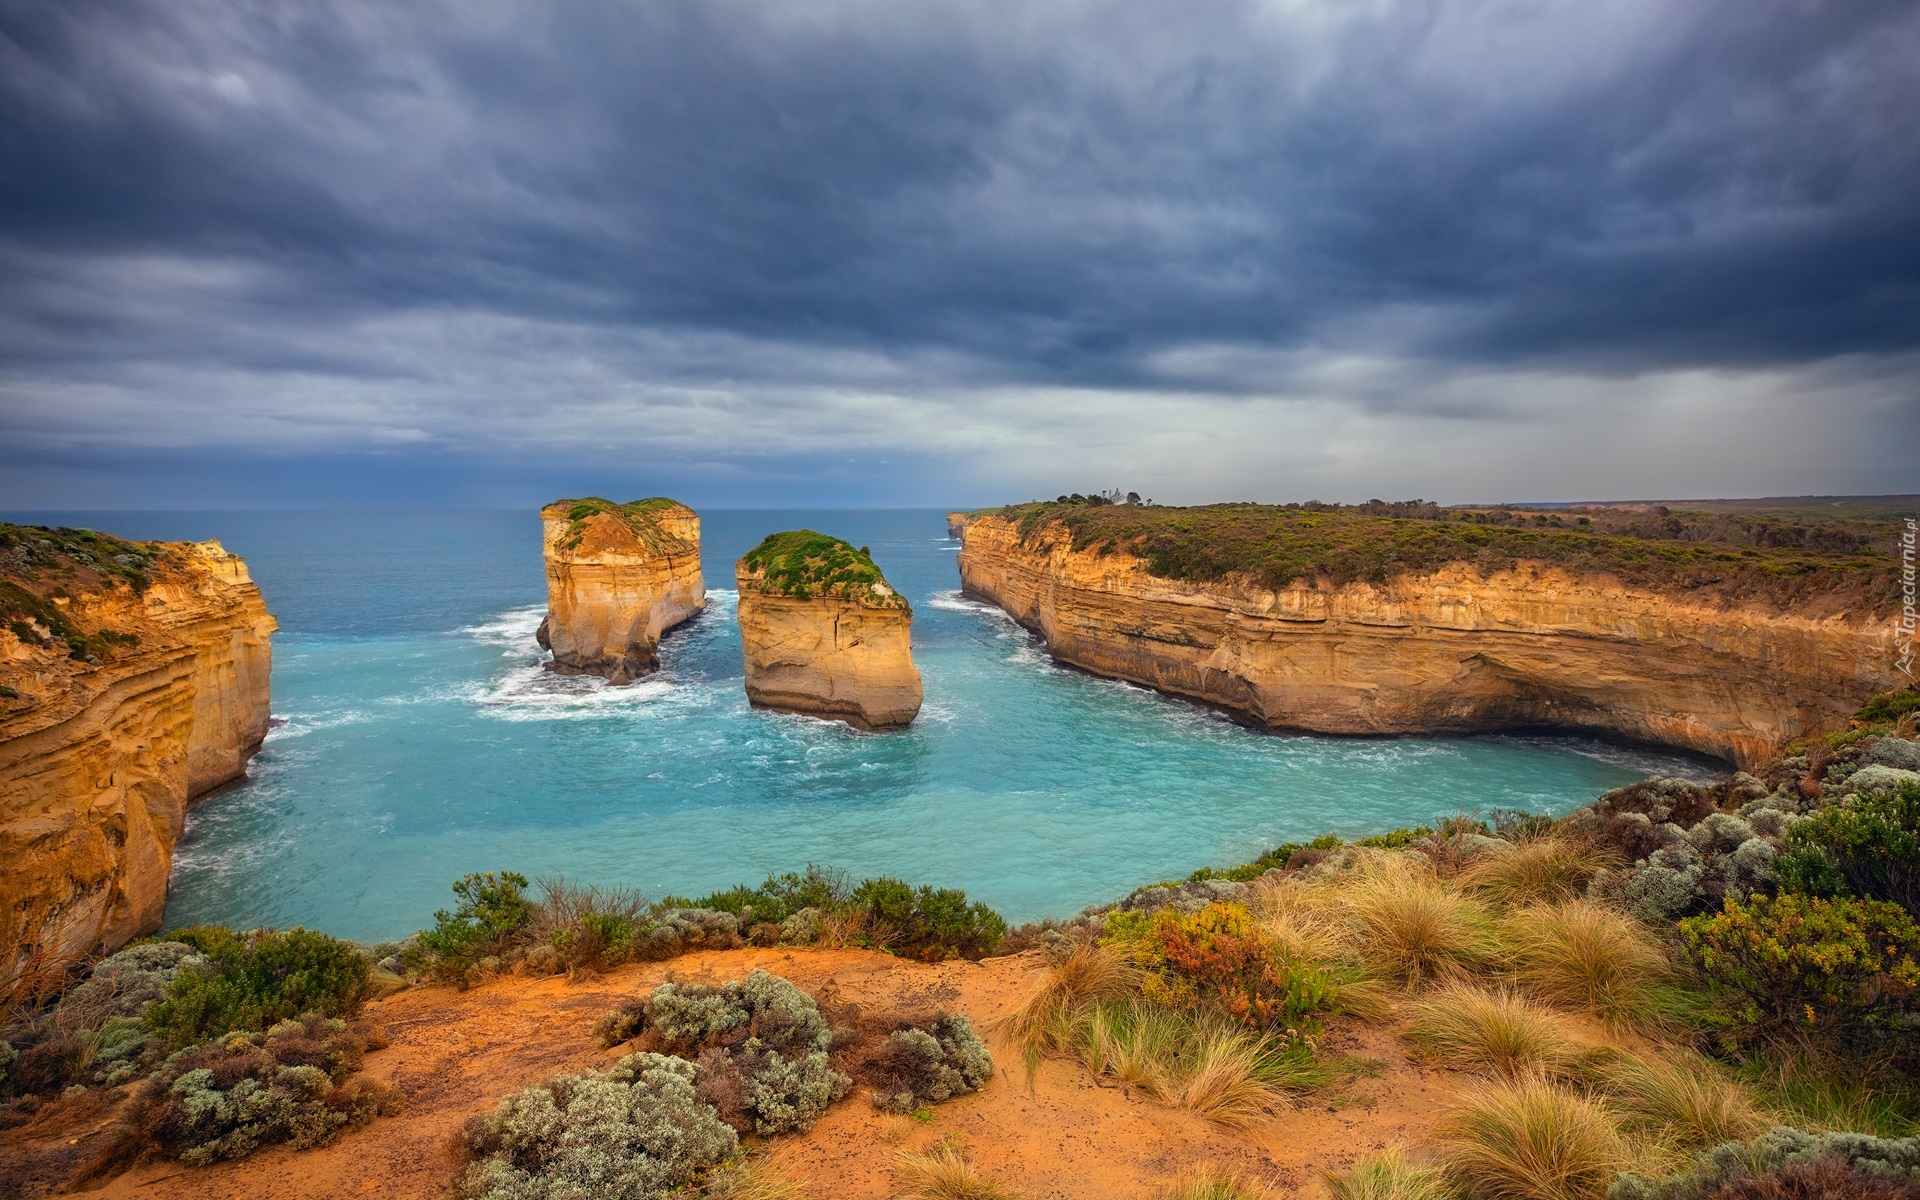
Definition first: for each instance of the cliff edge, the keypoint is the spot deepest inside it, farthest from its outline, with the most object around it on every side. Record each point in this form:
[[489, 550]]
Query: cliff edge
[[618, 577], [825, 634], [133, 681], [1734, 669]]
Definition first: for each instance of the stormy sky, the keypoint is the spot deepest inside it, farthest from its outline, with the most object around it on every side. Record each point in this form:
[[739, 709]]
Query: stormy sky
[[879, 253]]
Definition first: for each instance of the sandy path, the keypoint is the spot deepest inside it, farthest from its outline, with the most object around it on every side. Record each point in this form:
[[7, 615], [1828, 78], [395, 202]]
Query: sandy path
[[455, 1054]]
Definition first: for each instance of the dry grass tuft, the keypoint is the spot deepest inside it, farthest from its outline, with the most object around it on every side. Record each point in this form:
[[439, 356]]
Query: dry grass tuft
[[1587, 956], [1549, 870], [1412, 927], [1494, 1031], [754, 1180], [1389, 1176], [1685, 1102], [945, 1174], [1045, 1021], [1532, 1139], [1195, 1059], [1211, 1183]]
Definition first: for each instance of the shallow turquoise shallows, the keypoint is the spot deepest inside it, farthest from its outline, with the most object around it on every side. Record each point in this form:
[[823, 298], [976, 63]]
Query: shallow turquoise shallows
[[422, 739]]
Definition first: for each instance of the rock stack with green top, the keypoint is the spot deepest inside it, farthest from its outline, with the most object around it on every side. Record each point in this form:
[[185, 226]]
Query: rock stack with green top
[[618, 576], [824, 633]]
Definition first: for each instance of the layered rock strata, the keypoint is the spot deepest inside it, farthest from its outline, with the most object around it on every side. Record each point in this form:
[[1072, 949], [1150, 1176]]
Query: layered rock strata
[[618, 577], [133, 682], [825, 634], [1450, 650]]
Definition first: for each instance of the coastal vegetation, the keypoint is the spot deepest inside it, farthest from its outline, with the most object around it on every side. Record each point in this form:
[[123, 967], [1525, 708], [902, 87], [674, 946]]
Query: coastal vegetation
[[802, 564], [640, 517], [1744, 556], [41, 567], [1680, 991]]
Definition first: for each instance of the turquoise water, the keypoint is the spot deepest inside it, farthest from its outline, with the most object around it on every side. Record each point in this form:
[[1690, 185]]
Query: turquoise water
[[421, 739]]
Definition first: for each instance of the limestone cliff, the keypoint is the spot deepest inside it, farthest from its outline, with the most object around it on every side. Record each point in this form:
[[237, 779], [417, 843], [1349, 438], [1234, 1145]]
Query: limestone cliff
[[825, 634], [133, 681], [618, 577], [956, 522], [1449, 649]]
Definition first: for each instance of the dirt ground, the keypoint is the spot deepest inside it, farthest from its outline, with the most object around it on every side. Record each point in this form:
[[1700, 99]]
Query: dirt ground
[[455, 1054]]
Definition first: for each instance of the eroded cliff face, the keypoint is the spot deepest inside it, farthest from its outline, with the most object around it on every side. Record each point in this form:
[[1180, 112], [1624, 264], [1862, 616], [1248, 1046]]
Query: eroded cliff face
[[841, 652], [618, 577], [1448, 651], [102, 755]]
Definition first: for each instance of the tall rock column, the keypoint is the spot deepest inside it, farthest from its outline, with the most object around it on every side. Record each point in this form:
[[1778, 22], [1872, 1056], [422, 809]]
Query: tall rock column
[[618, 576], [825, 634]]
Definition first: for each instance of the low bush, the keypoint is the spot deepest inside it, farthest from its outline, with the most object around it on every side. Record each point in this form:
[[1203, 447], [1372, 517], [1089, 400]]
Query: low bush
[[761, 1044], [636, 1131], [1790, 1164], [493, 908], [1807, 962], [1531, 1139], [1867, 846], [1221, 957], [911, 1065], [258, 981], [228, 1097], [781, 896], [586, 927], [925, 922]]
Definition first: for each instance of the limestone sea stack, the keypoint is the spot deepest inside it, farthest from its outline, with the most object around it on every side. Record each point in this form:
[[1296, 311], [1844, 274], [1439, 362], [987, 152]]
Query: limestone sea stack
[[825, 634], [618, 576], [133, 682]]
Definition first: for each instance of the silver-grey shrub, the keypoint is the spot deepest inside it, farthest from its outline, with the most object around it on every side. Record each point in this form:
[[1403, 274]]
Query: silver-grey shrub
[[635, 1131]]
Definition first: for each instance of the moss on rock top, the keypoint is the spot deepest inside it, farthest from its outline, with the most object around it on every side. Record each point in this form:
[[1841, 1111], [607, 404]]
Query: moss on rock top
[[642, 517], [803, 564]]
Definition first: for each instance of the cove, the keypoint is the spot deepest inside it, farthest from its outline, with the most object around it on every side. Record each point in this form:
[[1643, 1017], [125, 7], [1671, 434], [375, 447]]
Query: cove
[[421, 739]]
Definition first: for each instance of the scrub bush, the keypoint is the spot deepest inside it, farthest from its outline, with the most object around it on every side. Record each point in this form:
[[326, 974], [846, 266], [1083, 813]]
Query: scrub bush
[[761, 1044], [926, 923], [252, 984], [493, 908], [635, 1131], [1221, 957], [911, 1065], [1803, 961], [1790, 1164], [230, 1096], [1868, 846]]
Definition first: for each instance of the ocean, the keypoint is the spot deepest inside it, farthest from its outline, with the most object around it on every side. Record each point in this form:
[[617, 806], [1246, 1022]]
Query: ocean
[[418, 738]]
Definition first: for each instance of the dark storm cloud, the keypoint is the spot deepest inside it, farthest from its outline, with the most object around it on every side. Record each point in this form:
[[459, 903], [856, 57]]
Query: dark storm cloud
[[779, 201]]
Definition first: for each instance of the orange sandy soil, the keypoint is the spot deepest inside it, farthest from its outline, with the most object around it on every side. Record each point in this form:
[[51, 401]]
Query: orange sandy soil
[[455, 1054]]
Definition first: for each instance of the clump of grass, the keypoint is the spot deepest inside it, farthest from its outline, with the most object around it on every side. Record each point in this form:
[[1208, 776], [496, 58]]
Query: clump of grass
[[1196, 1059], [1532, 1139], [1587, 956], [1412, 927], [755, 1179], [1389, 1175], [1549, 870], [945, 1174], [1680, 1100], [1212, 1183], [1044, 1022], [1499, 1032]]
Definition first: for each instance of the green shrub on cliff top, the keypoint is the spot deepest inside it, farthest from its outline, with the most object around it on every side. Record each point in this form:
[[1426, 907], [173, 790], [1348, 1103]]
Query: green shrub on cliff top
[[253, 983], [801, 563]]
